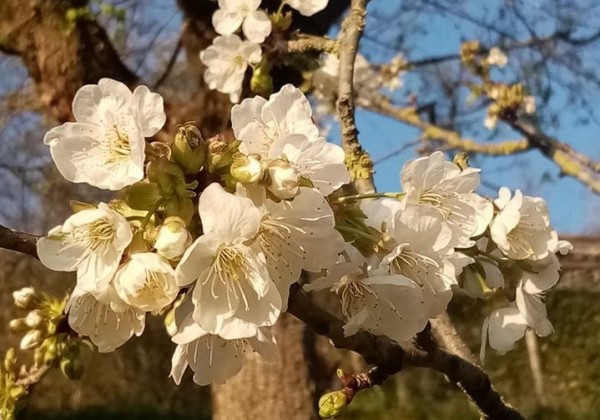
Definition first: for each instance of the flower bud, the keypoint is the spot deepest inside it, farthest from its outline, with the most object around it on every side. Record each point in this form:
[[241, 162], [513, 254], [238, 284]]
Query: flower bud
[[170, 324], [172, 239], [10, 359], [146, 282], [32, 339], [34, 319], [247, 169], [332, 404], [283, 179], [497, 57], [24, 297], [221, 153], [528, 105], [261, 81], [71, 368], [189, 149], [17, 324]]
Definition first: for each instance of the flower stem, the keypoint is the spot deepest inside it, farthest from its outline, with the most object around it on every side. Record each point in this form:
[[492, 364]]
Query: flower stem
[[395, 195], [358, 232]]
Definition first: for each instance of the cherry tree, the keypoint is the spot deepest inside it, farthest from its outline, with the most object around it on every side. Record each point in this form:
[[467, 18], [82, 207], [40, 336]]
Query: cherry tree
[[222, 236]]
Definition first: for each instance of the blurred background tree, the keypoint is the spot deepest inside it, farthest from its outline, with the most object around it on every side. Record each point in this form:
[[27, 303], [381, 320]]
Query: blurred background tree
[[51, 48]]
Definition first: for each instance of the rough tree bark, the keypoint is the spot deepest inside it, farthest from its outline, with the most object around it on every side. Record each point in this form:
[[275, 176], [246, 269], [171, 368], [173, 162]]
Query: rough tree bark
[[61, 57]]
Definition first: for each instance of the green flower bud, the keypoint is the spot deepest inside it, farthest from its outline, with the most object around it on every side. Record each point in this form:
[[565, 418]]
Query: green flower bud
[[189, 149], [332, 404], [71, 368], [261, 81], [221, 154], [247, 169]]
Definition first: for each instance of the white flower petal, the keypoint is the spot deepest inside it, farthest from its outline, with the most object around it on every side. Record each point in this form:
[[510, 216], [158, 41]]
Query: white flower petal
[[151, 110], [229, 216], [506, 326], [257, 26], [226, 22]]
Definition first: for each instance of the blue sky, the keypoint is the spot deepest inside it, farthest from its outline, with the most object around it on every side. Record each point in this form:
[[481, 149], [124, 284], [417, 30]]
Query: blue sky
[[572, 206]]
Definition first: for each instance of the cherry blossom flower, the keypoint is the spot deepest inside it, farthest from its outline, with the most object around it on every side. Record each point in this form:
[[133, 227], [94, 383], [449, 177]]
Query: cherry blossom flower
[[505, 326], [105, 146], [417, 247], [258, 122], [230, 279], [104, 318], [307, 7], [436, 184], [172, 239], [522, 228], [227, 60], [297, 235], [232, 14], [212, 358], [146, 282], [374, 300], [281, 131], [496, 57], [90, 242]]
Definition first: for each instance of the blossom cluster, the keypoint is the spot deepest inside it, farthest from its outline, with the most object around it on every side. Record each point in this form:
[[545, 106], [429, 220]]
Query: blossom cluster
[[229, 56], [213, 234]]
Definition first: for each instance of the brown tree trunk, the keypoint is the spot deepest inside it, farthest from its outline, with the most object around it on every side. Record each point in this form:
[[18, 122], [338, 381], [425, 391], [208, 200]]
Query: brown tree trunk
[[283, 389]]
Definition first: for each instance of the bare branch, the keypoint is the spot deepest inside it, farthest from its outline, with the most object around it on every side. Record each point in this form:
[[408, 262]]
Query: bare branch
[[170, 64], [451, 139], [390, 358], [568, 160], [357, 160], [18, 241], [308, 43]]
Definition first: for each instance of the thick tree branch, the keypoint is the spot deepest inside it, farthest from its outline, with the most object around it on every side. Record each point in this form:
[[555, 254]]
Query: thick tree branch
[[18, 241], [390, 358]]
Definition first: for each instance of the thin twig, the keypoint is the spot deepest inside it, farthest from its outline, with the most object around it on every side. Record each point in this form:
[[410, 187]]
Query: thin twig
[[170, 65]]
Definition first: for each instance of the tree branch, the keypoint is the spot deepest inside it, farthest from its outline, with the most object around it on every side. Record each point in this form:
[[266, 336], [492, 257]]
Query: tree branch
[[380, 103], [390, 358], [570, 162], [358, 160], [18, 241]]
